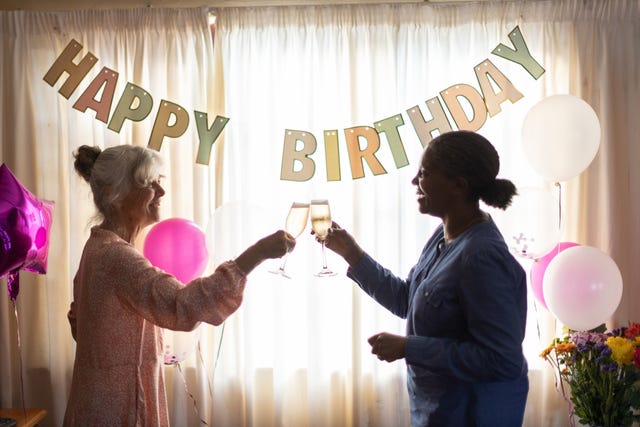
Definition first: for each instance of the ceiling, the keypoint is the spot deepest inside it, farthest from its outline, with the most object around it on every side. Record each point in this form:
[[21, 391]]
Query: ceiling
[[127, 4]]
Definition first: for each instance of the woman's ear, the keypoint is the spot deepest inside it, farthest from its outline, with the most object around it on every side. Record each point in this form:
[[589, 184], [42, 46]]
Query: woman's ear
[[461, 184]]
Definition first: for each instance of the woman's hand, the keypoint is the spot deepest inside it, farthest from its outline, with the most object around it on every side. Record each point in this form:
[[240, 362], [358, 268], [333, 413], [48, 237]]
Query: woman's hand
[[277, 244], [387, 346], [274, 245], [343, 243]]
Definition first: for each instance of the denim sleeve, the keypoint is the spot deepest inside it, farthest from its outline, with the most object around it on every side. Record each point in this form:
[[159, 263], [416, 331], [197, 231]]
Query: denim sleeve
[[382, 285]]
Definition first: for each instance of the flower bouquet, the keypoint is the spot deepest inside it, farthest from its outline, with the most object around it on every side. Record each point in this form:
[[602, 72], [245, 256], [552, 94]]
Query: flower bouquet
[[603, 371]]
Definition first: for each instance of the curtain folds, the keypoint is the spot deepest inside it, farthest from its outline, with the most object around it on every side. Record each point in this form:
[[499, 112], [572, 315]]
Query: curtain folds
[[295, 353]]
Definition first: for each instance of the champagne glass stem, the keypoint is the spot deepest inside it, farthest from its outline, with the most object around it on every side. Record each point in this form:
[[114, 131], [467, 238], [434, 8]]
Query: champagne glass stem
[[284, 261], [324, 256]]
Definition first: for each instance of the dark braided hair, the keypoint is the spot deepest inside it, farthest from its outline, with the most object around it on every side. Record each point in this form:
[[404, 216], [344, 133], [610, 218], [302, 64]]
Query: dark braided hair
[[471, 156]]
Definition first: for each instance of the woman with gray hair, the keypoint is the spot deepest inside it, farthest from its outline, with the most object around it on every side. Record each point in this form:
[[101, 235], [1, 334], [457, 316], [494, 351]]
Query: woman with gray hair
[[121, 301]]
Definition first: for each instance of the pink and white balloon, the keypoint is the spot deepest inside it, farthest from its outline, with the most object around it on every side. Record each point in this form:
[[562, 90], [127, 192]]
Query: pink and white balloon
[[582, 287], [561, 137], [539, 268]]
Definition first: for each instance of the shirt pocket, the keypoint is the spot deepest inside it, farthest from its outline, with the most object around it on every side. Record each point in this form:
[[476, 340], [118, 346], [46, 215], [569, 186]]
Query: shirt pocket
[[438, 312], [433, 297]]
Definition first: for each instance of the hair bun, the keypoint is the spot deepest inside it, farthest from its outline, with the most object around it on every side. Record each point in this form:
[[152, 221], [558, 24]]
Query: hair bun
[[86, 157]]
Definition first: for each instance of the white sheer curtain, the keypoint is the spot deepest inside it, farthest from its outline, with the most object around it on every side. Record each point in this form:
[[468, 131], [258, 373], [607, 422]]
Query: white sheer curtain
[[314, 69], [295, 354], [167, 53]]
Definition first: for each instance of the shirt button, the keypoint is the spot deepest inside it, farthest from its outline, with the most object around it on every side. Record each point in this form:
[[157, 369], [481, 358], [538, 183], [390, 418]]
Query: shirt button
[[426, 294]]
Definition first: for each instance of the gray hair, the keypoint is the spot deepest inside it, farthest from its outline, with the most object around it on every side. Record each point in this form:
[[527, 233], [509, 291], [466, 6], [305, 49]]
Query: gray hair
[[114, 172]]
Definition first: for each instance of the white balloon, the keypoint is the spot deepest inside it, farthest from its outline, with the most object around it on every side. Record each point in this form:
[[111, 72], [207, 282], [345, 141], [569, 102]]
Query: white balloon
[[178, 345], [582, 287], [234, 226], [531, 225], [561, 137]]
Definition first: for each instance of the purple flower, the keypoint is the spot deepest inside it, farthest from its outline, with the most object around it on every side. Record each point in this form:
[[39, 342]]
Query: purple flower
[[586, 340], [618, 332], [609, 367]]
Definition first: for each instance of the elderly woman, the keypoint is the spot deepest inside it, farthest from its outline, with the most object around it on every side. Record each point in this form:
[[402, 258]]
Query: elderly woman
[[465, 300], [121, 301]]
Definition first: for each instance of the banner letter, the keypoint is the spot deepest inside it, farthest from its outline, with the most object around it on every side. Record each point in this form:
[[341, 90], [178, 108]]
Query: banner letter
[[108, 78], [425, 128], [207, 135], [389, 127], [520, 55], [65, 63], [451, 97], [161, 126], [368, 154], [290, 156], [332, 155], [492, 100], [124, 110]]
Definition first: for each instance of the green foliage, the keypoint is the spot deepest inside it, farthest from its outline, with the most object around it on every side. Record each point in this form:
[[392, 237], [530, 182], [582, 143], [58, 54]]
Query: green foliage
[[602, 370]]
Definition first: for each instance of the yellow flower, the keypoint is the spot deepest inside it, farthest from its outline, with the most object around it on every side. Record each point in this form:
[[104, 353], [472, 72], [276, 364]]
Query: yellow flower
[[622, 350], [559, 347], [565, 347], [546, 351]]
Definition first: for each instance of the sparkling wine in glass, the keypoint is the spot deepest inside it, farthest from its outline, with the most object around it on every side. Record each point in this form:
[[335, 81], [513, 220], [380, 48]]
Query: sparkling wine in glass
[[295, 224], [320, 223]]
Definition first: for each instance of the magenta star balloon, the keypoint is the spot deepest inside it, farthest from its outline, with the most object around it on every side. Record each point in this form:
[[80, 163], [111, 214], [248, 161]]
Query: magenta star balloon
[[25, 223]]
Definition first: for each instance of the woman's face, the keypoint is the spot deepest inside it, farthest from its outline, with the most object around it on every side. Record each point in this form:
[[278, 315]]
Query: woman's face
[[434, 188], [141, 207]]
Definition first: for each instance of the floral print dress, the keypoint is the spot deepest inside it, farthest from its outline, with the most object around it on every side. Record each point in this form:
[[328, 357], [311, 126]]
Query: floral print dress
[[121, 302]]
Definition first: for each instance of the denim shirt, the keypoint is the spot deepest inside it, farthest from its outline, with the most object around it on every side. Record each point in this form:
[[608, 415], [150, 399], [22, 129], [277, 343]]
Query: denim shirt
[[465, 304]]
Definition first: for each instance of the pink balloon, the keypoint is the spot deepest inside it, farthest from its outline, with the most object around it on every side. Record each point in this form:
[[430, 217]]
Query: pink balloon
[[25, 223], [582, 287], [177, 246], [540, 266]]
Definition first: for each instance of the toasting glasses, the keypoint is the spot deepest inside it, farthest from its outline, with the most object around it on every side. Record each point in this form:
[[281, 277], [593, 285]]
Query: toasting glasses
[[320, 223], [295, 224]]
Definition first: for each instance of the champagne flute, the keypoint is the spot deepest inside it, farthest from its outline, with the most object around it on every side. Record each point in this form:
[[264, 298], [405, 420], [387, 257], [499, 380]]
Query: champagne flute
[[295, 224], [321, 223]]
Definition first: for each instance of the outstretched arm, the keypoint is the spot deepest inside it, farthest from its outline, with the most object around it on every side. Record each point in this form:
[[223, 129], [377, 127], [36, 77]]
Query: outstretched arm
[[272, 246]]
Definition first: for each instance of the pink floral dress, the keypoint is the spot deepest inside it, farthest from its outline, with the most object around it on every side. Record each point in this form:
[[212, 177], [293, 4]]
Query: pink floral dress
[[120, 303]]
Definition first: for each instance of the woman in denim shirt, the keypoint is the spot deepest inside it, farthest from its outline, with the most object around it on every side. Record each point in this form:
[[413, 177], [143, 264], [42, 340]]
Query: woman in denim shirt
[[465, 300]]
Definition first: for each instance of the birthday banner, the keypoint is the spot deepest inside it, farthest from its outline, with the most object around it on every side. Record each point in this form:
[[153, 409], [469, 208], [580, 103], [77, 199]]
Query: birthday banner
[[363, 142]]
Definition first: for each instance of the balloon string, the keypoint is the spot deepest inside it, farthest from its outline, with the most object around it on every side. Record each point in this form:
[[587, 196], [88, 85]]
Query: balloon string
[[210, 379], [15, 312], [206, 371], [535, 307], [219, 349], [186, 389], [558, 377], [559, 207]]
